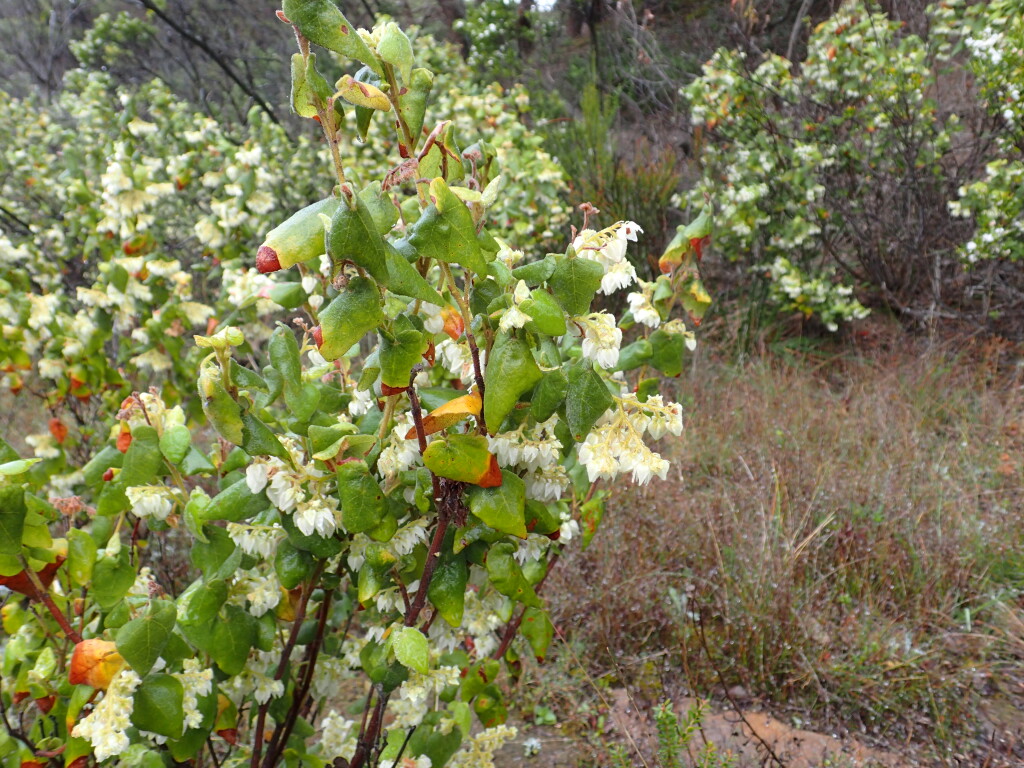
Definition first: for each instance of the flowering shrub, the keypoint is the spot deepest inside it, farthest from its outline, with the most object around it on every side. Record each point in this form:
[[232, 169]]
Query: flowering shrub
[[818, 168], [994, 36], [394, 468], [102, 247]]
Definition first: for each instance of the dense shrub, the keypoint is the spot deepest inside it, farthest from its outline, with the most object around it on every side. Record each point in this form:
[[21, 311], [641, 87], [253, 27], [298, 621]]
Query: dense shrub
[[832, 175], [367, 497]]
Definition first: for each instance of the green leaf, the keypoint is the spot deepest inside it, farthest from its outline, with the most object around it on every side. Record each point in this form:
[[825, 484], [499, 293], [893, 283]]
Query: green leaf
[[503, 507], [447, 589], [143, 460], [374, 574], [695, 299], [198, 610], [217, 558], [175, 442], [258, 439], [233, 638], [196, 463], [284, 356], [646, 388], [321, 22], [432, 742], [489, 707], [547, 316], [382, 208], [354, 237], [668, 350], [412, 650], [542, 518], [112, 577], [395, 49], [464, 458], [302, 94], [586, 399], [17, 467], [446, 231], [404, 280], [574, 283], [511, 371], [414, 102], [350, 316], [219, 406], [536, 272], [141, 640], [298, 238], [158, 706], [398, 354], [235, 503], [538, 631], [591, 514], [634, 355], [81, 556], [375, 660], [326, 442], [549, 395], [288, 295], [92, 473], [12, 519], [362, 501], [7, 453], [292, 565], [507, 577]]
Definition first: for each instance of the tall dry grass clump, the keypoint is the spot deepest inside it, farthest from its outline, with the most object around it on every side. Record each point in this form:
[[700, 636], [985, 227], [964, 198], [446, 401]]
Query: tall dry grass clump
[[845, 534]]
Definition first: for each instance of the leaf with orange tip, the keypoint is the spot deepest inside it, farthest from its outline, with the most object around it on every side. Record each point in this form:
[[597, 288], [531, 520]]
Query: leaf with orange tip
[[58, 430], [465, 459], [124, 437], [226, 724], [94, 662], [449, 414], [454, 325]]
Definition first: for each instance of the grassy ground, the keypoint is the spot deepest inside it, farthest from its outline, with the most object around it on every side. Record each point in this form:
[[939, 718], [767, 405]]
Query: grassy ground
[[840, 540]]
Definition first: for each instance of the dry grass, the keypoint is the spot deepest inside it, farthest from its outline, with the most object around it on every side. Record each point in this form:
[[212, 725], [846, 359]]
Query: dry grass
[[847, 530]]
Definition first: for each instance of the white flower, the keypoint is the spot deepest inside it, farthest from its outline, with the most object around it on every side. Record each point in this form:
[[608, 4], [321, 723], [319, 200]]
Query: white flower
[[44, 445], [256, 477], [597, 456], [602, 339], [642, 309], [50, 369], [617, 276], [154, 360], [285, 491], [338, 736], [664, 418], [399, 454], [316, 515], [106, 725], [254, 540], [197, 682], [531, 747], [546, 484], [361, 402], [263, 594], [150, 501]]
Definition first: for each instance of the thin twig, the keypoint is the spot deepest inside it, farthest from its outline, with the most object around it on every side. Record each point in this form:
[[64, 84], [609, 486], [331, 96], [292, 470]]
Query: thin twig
[[699, 623]]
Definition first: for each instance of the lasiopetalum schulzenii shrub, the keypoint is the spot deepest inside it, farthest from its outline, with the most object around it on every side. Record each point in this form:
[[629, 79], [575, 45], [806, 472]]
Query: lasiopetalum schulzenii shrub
[[127, 220], [831, 175], [370, 494], [993, 35]]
